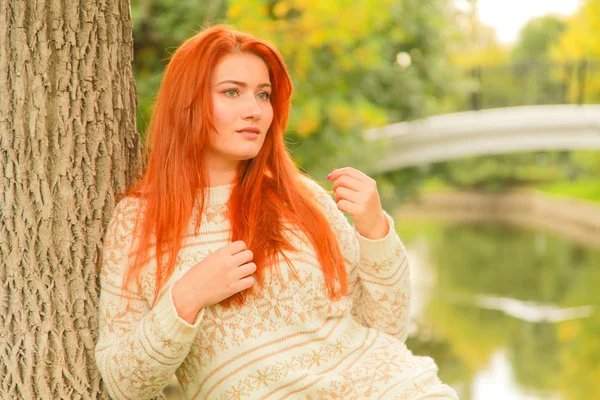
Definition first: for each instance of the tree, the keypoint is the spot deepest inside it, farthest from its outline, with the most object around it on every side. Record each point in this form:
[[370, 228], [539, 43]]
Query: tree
[[68, 144], [476, 44], [537, 38], [343, 60], [341, 56], [580, 43], [581, 39], [158, 27]]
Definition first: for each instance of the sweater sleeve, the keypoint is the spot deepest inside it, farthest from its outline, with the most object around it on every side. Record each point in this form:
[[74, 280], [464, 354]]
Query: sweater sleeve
[[381, 293], [379, 274], [139, 347]]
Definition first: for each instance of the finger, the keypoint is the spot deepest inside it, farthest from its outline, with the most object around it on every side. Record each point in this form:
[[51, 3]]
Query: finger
[[350, 195], [349, 182], [235, 247], [353, 172], [244, 283], [246, 269], [348, 207], [241, 258]]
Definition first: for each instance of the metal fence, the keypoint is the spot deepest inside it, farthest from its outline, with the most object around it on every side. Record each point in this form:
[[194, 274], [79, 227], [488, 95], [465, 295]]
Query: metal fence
[[534, 83]]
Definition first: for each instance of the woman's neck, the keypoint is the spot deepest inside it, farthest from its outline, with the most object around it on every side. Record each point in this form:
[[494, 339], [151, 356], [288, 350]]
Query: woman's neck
[[218, 178], [220, 174]]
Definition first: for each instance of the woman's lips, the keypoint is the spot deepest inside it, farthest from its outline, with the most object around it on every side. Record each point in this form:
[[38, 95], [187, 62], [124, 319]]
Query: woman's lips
[[249, 134]]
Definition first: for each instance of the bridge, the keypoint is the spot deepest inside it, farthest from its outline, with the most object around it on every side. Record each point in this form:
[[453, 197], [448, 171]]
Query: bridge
[[494, 131], [527, 106]]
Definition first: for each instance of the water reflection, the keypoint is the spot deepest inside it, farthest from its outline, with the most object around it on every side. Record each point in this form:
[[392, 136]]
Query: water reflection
[[499, 374], [507, 313]]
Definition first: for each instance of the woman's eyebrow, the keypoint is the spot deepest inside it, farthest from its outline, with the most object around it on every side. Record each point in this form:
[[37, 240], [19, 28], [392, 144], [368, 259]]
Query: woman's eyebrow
[[242, 84]]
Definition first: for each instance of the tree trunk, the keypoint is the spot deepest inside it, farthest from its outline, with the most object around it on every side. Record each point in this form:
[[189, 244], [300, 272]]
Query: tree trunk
[[68, 144]]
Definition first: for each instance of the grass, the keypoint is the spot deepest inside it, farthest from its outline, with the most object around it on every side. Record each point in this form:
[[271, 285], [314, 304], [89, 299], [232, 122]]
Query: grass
[[436, 185], [584, 189]]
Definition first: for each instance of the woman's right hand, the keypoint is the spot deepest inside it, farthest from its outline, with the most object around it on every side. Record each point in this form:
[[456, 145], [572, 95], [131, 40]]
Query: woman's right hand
[[222, 274]]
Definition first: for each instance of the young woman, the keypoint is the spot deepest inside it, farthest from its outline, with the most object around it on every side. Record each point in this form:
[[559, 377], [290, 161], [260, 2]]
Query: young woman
[[228, 267]]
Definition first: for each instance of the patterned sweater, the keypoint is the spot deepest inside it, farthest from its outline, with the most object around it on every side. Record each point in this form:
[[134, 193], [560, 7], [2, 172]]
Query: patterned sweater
[[289, 341]]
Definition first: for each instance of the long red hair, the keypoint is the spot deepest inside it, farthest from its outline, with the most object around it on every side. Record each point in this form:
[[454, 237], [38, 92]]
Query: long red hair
[[268, 189]]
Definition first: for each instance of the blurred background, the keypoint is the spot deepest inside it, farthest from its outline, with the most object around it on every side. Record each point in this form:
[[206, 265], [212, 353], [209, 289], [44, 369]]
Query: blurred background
[[478, 119]]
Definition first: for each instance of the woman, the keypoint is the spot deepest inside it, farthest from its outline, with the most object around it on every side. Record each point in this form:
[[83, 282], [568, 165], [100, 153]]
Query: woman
[[228, 267]]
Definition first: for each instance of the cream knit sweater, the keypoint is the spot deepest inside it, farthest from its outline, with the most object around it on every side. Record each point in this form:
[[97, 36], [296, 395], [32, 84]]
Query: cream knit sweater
[[290, 341]]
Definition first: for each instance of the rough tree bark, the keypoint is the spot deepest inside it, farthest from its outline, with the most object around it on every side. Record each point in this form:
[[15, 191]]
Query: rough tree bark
[[68, 144]]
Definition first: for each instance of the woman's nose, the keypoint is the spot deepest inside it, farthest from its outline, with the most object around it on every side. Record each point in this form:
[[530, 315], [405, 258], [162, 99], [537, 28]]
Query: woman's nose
[[252, 109]]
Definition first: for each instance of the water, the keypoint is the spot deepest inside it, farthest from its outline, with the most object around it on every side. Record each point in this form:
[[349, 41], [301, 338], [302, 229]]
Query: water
[[507, 313]]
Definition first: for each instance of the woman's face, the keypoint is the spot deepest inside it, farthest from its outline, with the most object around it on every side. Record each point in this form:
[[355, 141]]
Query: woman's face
[[242, 110]]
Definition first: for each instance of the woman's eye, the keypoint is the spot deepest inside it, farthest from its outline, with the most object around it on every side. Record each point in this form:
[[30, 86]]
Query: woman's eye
[[231, 92], [264, 96]]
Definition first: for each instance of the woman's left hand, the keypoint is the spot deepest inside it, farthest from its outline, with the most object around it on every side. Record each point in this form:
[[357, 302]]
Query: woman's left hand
[[356, 194]]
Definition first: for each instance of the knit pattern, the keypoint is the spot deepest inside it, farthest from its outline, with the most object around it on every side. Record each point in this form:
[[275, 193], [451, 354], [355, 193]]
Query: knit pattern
[[288, 341]]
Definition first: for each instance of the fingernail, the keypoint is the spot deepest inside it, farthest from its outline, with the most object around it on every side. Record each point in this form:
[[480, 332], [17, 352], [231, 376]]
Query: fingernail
[[329, 176]]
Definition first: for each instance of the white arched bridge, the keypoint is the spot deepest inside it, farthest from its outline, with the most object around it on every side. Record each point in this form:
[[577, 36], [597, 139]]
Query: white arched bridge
[[493, 131]]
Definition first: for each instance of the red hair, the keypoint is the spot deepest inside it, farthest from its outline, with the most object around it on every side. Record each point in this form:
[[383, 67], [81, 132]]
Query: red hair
[[268, 189]]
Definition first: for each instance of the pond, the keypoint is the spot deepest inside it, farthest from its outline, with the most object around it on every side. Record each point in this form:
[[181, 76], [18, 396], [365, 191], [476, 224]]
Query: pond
[[506, 312]]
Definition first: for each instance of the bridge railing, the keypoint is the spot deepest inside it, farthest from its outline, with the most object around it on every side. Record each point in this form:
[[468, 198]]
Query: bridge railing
[[534, 83]]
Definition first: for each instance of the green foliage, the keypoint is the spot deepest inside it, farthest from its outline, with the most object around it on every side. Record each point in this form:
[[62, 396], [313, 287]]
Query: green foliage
[[159, 26], [546, 66], [342, 59], [397, 187], [585, 189], [498, 173], [559, 173], [476, 44], [499, 78], [537, 38], [581, 41], [341, 56]]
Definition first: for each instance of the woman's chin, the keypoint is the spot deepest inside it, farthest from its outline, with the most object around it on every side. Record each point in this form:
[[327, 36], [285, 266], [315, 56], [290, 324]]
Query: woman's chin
[[246, 156]]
